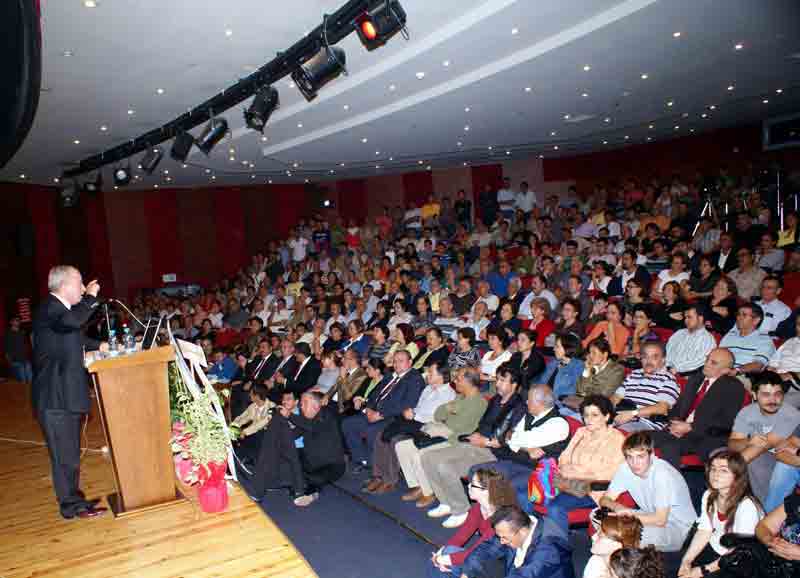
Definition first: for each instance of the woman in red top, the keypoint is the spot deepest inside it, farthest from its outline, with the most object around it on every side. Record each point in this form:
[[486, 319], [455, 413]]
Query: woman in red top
[[541, 322], [490, 491]]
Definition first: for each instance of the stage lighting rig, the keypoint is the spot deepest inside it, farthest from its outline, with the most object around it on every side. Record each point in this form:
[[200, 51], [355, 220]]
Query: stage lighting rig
[[151, 159], [69, 195], [215, 131], [375, 27], [319, 70], [94, 186], [264, 104], [122, 175], [181, 146]]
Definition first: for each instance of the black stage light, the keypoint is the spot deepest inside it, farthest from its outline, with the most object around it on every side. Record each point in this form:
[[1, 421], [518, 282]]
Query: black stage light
[[214, 132], [122, 175], [69, 196], [378, 25], [262, 107], [93, 186], [151, 159], [319, 70], [181, 146]]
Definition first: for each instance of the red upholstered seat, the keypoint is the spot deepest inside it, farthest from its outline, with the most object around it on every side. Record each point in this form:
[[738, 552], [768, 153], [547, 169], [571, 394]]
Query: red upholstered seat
[[663, 334], [580, 518]]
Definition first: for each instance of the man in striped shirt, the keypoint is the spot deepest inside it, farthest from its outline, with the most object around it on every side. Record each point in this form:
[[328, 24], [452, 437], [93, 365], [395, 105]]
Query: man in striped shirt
[[650, 391]]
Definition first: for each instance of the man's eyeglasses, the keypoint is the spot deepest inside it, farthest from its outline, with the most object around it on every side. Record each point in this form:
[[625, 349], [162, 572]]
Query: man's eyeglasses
[[477, 486]]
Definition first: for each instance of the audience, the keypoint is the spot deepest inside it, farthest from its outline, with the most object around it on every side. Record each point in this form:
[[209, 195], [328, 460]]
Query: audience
[[688, 348], [615, 532]]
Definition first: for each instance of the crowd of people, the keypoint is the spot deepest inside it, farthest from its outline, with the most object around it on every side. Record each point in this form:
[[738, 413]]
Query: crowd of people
[[512, 363]]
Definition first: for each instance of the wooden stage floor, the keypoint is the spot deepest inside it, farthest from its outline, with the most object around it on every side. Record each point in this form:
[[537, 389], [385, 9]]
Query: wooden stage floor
[[179, 541]]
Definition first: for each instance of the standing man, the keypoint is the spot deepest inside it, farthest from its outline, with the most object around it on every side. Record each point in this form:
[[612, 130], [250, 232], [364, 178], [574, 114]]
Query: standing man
[[60, 389]]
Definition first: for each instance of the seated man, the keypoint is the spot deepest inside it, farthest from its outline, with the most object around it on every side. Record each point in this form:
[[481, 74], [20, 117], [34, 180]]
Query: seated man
[[319, 461], [306, 374], [257, 369], [396, 393], [775, 310], [540, 433], [351, 377], [763, 428], [664, 505], [646, 393], [224, 367], [750, 348], [252, 423], [444, 467], [688, 348], [529, 546], [703, 416]]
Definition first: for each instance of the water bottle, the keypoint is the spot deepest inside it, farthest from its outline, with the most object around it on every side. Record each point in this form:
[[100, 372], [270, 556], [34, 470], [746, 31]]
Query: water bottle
[[127, 340], [113, 346]]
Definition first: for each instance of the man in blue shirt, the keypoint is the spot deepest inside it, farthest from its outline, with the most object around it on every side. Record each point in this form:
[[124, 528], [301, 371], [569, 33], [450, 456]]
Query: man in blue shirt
[[751, 349], [224, 367], [498, 279]]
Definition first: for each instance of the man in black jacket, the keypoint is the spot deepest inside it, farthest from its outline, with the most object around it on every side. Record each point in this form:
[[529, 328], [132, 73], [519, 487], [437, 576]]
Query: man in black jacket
[[702, 418], [306, 374], [60, 392], [305, 469], [630, 270], [258, 368]]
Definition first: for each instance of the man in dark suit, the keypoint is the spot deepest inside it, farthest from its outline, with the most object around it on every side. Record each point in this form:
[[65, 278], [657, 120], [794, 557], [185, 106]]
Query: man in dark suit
[[60, 392], [258, 368], [276, 376], [307, 373], [389, 399], [630, 270], [702, 418], [725, 258], [305, 469]]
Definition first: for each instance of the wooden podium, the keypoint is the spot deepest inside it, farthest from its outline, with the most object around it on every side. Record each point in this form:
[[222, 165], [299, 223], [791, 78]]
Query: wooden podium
[[133, 395]]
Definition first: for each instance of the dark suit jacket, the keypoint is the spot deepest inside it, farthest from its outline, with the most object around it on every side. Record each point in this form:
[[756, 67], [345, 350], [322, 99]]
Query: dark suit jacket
[[641, 276], [403, 395], [730, 264], [301, 382], [322, 442], [715, 415], [59, 377], [256, 375], [287, 370]]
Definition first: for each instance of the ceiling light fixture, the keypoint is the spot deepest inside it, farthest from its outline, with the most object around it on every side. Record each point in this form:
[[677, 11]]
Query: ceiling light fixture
[[103, 128], [420, 75], [213, 132], [466, 128], [159, 91], [68, 53], [607, 119], [778, 91], [528, 89], [676, 34], [76, 141], [264, 104], [90, 3], [585, 95], [319, 70], [122, 175], [704, 115], [377, 26], [738, 46], [514, 31], [731, 87], [346, 107], [467, 109], [765, 101], [670, 103], [364, 140], [586, 68], [228, 32], [644, 76], [131, 112], [392, 88], [446, 63]]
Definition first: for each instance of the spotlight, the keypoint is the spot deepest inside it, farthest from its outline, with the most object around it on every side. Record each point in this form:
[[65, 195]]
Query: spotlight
[[213, 133], [378, 25], [122, 175], [319, 70], [181, 146], [69, 196], [151, 159], [95, 185], [264, 104]]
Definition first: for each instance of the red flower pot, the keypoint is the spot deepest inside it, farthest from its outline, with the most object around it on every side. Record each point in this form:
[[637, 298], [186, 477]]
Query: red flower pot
[[213, 489]]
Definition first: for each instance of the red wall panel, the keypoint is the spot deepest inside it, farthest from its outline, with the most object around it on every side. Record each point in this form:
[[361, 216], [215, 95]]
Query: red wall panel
[[166, 252], [100, 264], [417, 186], [352, 199], [230, 229], [42, 206], [483, 175], [196, 228]]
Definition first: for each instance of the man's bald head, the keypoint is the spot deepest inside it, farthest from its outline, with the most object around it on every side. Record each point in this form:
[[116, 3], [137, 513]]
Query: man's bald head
[[718, 363]]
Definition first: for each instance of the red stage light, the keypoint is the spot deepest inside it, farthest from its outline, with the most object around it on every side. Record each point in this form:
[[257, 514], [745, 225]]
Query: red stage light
[[368, 29]]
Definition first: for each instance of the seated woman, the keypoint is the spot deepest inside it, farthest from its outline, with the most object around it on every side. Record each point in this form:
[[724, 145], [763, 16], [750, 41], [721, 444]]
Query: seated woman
[[381, 315], [562, 373], [252, 423], [601, 376], [594, 453], [403, 337], [669, 313], [465, 353], [701, 284], [490, 491], [642, 332], [507, 320], [478, 320], [495, 357], [401, 315], [634, 295], [570, 321], [728, 505], [612, 330], [435, 350], [336, 341], [330, 371], [601, 276], [721, 307], [541, 322], [424, 319], [357, 339], [527, 361], [615, 532]]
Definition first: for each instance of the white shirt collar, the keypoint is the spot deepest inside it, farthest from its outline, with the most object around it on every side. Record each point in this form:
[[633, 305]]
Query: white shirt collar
[[63, 301], [522, 551]]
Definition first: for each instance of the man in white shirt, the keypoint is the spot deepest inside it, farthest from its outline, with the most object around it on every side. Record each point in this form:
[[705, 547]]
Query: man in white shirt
[[775, 310], [687, 349], [526, 200], [676, 272], [485, 296], [336, 317], [506, 200], [538, 289], [298, 245]]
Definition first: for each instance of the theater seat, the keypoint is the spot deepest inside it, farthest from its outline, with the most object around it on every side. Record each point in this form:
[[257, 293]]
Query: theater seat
[[580, 518]]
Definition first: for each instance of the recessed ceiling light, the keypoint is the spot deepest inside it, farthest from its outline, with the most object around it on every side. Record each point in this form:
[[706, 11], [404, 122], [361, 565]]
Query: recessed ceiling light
[[377, 166], [652, 126], [765, 101], [446, 63], [585, 95], [76, 141], [528, 89], [90, 3], [103, 128], [508, 152], [155, 186], [228, 32], [377, 152], [264, 139], [466, 128], [731, 87], [252, 165], [738, 46], [464, 163], [364, 140], [649, 138], [566, 117], [467, 109], [331, 171], [644, 76], [490, 147], [299, 125], [115, 187], [166, 171], [22, 176], [586, 68], [670, 103], [159, 91], [420, 75], [677, 127], [392, 87], [607, 119], [428, 167], [419, 162], [131, 112], [778, 91], [605, 142], [56, 180], [184, 166], [346, 107], [552, 133], [676, 34], [555, 148], [459, 143], [713, 107], [691, 130], [207, 171], [541, 156], [704, 115], [514, 31], [295, 165], [627, 137], [341, 164], [269, 181], [391, 158], [169, 179], [68, 53]]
